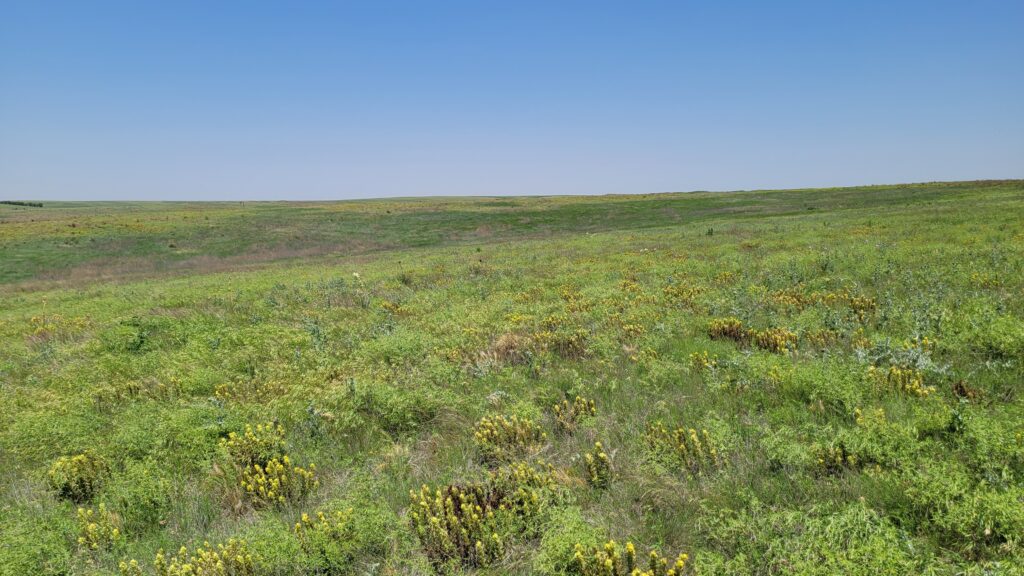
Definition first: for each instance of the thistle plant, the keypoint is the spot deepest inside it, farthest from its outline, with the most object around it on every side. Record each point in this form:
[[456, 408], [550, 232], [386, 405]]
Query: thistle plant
[[599, 467], [568, 416], [611, 560]]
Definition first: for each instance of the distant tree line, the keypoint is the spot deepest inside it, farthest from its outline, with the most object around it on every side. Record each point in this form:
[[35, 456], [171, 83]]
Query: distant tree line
[[19, 203]]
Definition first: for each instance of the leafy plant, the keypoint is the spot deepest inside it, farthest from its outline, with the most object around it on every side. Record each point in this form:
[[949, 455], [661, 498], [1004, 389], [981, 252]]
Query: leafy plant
[[599, 467], [501, 438], [684, 449], [611, 560], [78, 478], [231, 558], [470, 524], [98, 528], [256, 445], [568, 416], [278, 482], [327, 538]]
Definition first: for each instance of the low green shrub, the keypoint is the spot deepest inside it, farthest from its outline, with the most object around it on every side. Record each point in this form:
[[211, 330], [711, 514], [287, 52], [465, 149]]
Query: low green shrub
[[997, 337], [563, 532], [942, 499], [142, 494], [36, 540], [874, 441], [786, 449], [401, 410], [852, 540]]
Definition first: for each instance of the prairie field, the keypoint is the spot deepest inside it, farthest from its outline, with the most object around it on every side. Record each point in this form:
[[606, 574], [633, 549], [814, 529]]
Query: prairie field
[[821, 381]]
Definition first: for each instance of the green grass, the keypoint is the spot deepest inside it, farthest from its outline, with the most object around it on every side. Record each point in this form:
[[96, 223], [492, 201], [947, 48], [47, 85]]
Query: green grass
[[378, 333], [80, 241]]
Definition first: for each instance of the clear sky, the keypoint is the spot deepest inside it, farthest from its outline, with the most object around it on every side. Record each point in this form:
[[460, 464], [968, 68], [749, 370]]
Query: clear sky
[[310, 100]]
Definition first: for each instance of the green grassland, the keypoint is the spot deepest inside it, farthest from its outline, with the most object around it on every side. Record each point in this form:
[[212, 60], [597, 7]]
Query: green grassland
[[781, 382]]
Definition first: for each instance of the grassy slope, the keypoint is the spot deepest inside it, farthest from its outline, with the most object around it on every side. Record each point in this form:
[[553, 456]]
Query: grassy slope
[[72, 241], [379, 379]]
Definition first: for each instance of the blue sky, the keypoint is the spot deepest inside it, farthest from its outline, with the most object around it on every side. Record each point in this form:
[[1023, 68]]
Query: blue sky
[[315, 100]]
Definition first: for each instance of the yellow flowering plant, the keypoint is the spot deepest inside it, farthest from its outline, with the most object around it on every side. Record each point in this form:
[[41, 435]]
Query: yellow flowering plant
[[613, 560], [77, 478], [702, 361], [267, 475], [98, 529], [685, 449], [501, 438], [278, 482], [568, 416], [256, 445], [470, 524], [599, 466], [327, 538], [728, 329], [908, 381], [231, 558]]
